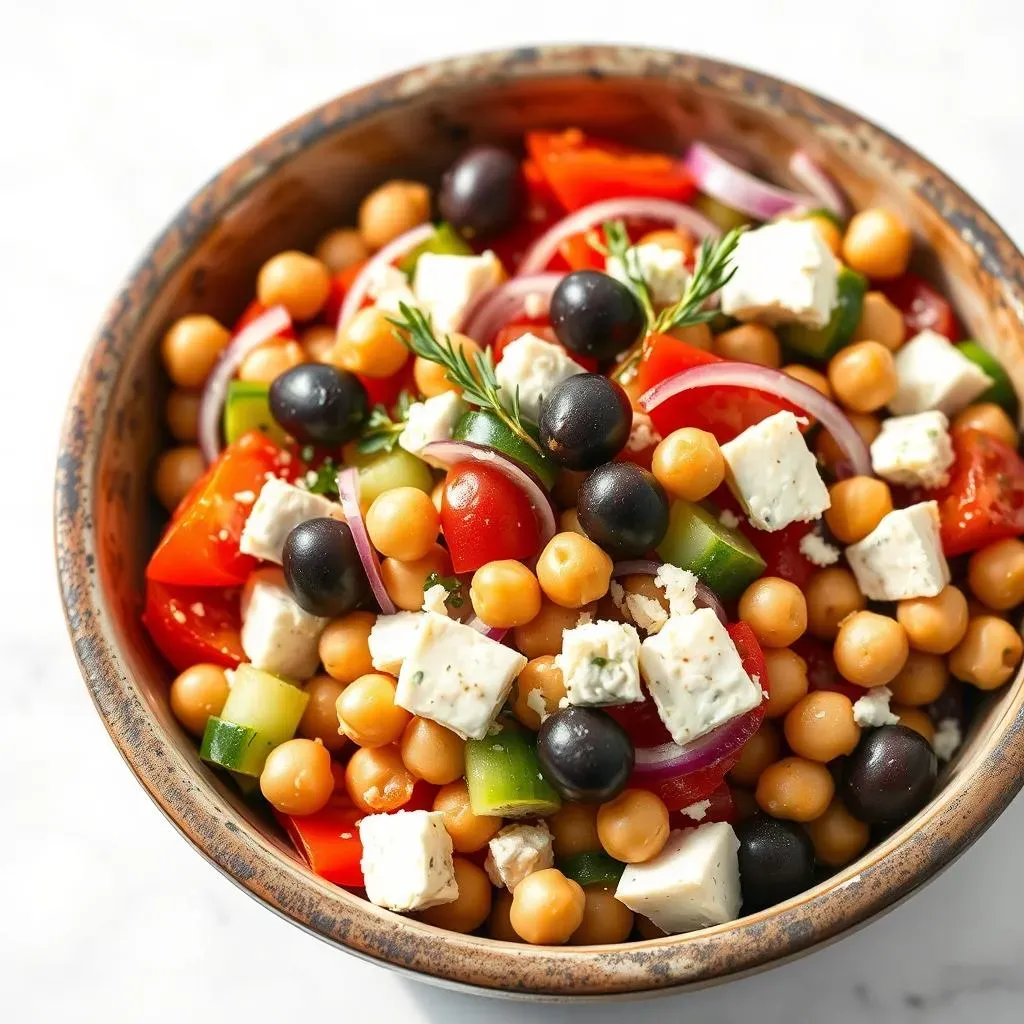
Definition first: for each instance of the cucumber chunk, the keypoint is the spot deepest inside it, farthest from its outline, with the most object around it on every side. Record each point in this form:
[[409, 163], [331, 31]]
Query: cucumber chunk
[[824, 342], [722, 557], [247, 407], [485, 428], [445, 241], [592, 868], [265, 703], [722, 216], [235, 747], [1002, 391], [504, 776], [384, 472]]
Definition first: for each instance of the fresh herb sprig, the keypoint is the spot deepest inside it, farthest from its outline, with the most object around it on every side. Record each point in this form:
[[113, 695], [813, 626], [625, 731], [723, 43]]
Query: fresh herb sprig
[[323, 479], [383, 429], [478, 381], [452, 584], [619, 248]]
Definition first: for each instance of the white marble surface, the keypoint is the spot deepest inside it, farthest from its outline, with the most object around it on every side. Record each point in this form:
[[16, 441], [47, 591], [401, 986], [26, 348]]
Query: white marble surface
[[113, 113]]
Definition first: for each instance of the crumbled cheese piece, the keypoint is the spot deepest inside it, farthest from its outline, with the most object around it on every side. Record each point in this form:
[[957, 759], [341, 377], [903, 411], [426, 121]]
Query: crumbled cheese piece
[[584, 618], [914, 450], [535, 305], [281, 507], [388, 288], [697, 811], [617, 592], [534, 367], [599, 663], [536, 703], [646, 612], [947, 739], [431, 420], [446, 285], [434, 599], [391, 638], [817, 550], [872, 710], [663, 270], [244, 497], [729, 519], [680, 586], [642, 435], [932, 373], [518, 851]]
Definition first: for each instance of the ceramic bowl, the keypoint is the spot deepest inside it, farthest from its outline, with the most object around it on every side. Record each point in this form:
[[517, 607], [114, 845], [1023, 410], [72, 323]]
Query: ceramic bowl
[[283, 194]]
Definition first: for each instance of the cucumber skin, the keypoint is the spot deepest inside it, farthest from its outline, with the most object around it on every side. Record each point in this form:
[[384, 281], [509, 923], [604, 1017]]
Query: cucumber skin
[[445, 241], [486, 429], [247, 407], [824, 342], [1002, 392], [592, 868], [235, 747], [504, 778]]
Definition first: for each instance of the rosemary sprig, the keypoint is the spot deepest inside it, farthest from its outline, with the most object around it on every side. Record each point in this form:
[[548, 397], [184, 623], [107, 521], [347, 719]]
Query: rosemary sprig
[[452, 584], [382, 429], [478, 380], [619, 248]]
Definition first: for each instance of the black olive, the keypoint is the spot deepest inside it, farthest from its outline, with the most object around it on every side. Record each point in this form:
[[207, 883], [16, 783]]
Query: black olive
[[318, 404], [595, 315], [482, 193], [585, 754], [322, 567], [624, 509], [585, 421], [890, 776], [776, 861]]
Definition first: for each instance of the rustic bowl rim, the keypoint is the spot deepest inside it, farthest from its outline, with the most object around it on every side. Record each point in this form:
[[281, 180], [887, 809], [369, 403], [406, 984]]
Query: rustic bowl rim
[[970, 802]]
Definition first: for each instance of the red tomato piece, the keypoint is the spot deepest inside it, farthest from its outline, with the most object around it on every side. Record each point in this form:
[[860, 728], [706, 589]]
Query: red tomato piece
[[200, 547], [251, 312], [385, 390], [923, 308], [485, 517], [578, 252], [542, 209], [822, 673], [329, 840], [723, 808], [194, 624], [340, 284], [642, 722], [984, 499]]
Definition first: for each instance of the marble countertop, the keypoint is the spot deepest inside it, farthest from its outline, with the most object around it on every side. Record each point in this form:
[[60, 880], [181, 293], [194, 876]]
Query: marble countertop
[[115, 111]]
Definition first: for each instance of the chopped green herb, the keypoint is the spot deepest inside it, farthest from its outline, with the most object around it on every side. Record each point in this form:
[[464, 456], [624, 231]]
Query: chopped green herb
[[326, 481], [450, 583], [417, 678], [382, 429], [598, 662]]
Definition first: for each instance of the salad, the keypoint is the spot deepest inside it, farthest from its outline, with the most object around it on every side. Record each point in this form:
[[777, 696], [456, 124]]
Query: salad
[[607, 544]]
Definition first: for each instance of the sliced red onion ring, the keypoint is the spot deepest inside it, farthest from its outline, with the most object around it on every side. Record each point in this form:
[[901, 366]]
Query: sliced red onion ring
[[497, 306], [540, 254], [670, 761], [818, 183], [491, 632], [394, 250], [448, 453], [771, 382], [348, 493], [738, 188], [255, 333], [706, 597]]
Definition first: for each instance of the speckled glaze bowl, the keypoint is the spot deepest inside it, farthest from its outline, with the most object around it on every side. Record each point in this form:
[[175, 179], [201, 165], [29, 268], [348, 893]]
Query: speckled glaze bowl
[[283, 194]]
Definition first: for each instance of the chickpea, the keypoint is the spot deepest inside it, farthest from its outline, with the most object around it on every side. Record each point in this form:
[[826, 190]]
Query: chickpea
[[320, 719], [345, 646], [318, 343], [863, 376], [832, 594], [295, 280], [540, 685], [877, 244], [996, 574], [678, 239], [689, 463], [437, 495], [499, 924], [196, 694], [761, 750], [829, 232], [870, 649], [775, 610], [787, 680], [404, 580], [432, 752], [934, 624], [376, 780], [297, 777], [182, 414], [605, 919], [547, 908], [470, 908], [574, 829], [821, 726], [340, 249], [367, 712], [749, 343], [470, 832], [921, 680], [392, 209], [976, 608], [916, 719], [795, 789], [838, 837], [989, 653], [634, 826], [177, 470], [431, 377], [403, 523], [858, 506], [543, 633], [697, 335], [573, 570], [868, 426], [880, 321], [812, 378], [191, 347], [265, 364], [990, 419], [367, 344], [505, 593]]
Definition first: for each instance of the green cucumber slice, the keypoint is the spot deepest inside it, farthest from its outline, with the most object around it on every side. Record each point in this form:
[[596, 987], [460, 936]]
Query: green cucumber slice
[[485, 428], [592, 868], [722, 216], [384, 472], [1002, 391], [504, 776], [265, 703], [719, 555], [235, 747], [247, 407], [824, 342], [445, 241]]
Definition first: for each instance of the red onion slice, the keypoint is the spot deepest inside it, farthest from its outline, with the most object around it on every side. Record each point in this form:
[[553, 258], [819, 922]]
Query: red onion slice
[[491, 632], [255, 333], [497, 306], [818, 183], [448, 453], [670, 761], [540, 254], [706, 597], [771, 382], [739, 189], [348, 493]]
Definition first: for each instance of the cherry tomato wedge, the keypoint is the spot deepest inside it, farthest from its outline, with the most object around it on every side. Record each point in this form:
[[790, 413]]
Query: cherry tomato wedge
[[923, 308], [194, 624], [580, 254], [822, 673], [721, 807]]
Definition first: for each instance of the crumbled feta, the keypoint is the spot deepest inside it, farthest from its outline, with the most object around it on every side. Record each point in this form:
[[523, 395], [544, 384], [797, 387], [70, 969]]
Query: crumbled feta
[[932, 373], [646, 612], [430, 421], [599, 663], [407, 860], [536, 703], [785, 273], [389, 287], [729, 519], [774, 475], [534, 366], [695, 675], [947, 739], [693, 883], [697, 811], [447, 284], [391, 638], [680, 586], [872, 710], [914, 450], [902, 557], [281, 507], [817, 550], [434, 599], [663, 270], [456, 677], [535, 305], [518, 851], [642, 434], [617, 592]]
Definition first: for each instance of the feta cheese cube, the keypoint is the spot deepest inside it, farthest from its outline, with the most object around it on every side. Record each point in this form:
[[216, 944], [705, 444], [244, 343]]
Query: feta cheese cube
[[518, 851], [693, 883], [446, 285], [947, 739], [872, 710], [389, 288], [391, 638], [534, 366], [407, 860], [818, 551], [599, 664], [914, 450], [785, 273], [278, 635], [695, 675], [932, 373], [664, 271], [456, 677], [281, 507], [902, 556], [430, 421], [774, 475]]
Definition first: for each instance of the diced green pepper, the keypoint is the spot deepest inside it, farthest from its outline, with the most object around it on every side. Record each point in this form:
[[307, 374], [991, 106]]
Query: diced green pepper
[[1002, 391]]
